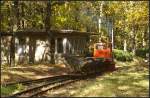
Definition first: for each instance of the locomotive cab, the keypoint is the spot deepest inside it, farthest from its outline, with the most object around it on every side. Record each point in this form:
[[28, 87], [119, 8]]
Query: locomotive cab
[[103, 51]]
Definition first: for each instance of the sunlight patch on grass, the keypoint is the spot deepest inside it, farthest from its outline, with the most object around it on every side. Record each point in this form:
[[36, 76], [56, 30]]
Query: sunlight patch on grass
[[22, 73], [72, 92], [124, 87], [88, 88], [143, 83], [134, 74], [98, 88], [128, 93]]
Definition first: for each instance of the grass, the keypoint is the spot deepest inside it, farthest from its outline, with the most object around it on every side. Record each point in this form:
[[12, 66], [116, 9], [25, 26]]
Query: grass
[[8, 90], [130, 80]]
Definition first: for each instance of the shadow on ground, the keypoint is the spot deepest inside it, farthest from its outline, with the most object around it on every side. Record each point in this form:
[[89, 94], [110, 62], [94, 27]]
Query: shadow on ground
[[129, 80], [31, 72]]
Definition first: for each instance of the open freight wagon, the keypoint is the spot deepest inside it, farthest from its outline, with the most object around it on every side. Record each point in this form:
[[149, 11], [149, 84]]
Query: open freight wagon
[[101, 59]]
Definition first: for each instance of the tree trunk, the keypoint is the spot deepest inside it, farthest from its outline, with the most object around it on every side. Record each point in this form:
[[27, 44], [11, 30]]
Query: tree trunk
[[22, 15], [110, 24], [125, 45], [112, 34], [100, 19], [48, 27], [12, 24], [0, 47], [12, 46], [143, 42], [133, 40], [48, 15], [0, 39], [32, 48], [52, 50], [144, 37], [30, 52], [100, 16], [12, 51], [16, 11]]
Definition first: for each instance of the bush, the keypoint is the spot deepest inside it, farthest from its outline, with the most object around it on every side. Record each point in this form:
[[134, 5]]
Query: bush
[[142, 52], [121, 55]]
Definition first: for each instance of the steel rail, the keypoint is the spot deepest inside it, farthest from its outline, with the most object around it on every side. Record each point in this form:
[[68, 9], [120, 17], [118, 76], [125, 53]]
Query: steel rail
[[36, 88], [52, 88], [37, 80]]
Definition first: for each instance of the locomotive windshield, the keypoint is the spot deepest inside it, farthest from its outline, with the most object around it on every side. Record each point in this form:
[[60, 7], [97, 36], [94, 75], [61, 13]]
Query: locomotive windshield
[[99, 46]]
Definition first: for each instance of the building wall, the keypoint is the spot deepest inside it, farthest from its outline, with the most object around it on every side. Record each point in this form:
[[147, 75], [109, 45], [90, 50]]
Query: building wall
[[5, 50], [32, 50], [75, 46], [35, 50]]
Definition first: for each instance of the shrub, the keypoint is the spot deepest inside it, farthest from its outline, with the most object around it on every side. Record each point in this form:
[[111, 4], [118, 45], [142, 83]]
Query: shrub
[[141, 52], [121, 55]]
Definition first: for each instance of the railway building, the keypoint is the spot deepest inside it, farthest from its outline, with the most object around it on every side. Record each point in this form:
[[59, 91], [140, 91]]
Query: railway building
[[34, 46]]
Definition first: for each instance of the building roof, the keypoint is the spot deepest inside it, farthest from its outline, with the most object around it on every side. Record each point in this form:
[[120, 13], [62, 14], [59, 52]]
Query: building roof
[[44, 33]]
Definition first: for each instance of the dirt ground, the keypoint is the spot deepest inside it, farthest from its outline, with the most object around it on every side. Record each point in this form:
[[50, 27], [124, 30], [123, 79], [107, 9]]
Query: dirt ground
[[22, 73]]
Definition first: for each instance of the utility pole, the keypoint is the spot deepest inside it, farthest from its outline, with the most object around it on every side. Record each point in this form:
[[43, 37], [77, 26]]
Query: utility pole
[[0, 47], [100, 18], [12, 45], [112, 34], [0, 38], [110, 30], [48, 27]]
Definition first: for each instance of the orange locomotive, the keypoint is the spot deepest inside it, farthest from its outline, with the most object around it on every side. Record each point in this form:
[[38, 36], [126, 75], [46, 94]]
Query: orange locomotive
[[104, 51], [102, 59], [101, 51]]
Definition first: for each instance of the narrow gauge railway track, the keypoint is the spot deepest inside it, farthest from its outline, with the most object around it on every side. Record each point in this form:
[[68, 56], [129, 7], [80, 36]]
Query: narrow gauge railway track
[[42, 88], [28, 82], [52, 84], [45, 85], [39, 94]]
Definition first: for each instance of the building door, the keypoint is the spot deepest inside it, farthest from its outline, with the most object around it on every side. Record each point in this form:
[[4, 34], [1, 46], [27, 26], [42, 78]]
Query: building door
[[59, 45]]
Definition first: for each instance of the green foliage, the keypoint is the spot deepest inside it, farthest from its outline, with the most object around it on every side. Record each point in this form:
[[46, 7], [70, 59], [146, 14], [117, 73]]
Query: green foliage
[[10, 89], [122, 55], [142, 52], [127, 17]]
